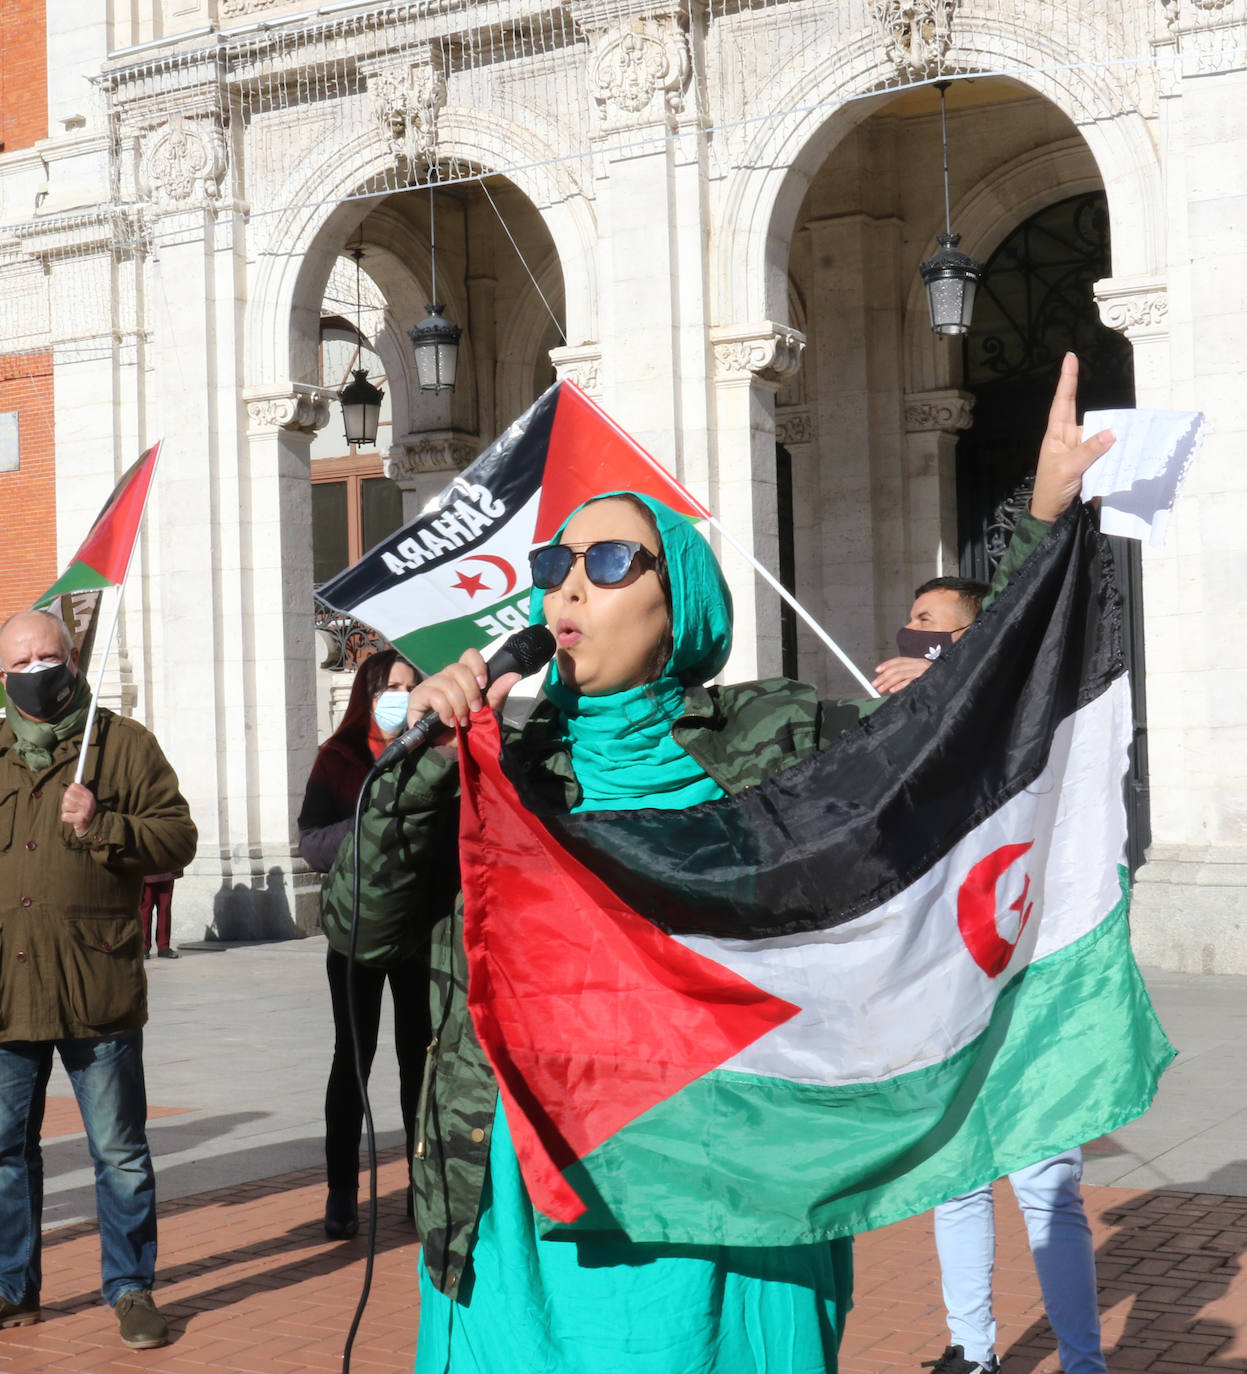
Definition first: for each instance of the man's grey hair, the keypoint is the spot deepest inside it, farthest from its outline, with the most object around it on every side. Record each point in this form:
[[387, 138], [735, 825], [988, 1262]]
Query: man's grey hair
[[67, 639]]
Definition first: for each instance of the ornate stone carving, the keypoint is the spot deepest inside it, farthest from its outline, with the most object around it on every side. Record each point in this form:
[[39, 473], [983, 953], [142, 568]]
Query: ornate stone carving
[[1133, 305], [770, 351], [793, 427], [183, 162], [303, 409], [407, 105], [439, 451], [638, 63], [581, 365], [919, 33], [235, 9], [947, 411], [1173, 8]]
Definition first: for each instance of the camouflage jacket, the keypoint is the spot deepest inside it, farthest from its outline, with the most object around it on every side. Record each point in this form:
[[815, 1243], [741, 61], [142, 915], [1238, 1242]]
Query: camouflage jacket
[[739, 734]]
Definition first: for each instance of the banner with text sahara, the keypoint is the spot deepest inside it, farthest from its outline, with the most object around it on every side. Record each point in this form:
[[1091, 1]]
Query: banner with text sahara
[[457, 576]]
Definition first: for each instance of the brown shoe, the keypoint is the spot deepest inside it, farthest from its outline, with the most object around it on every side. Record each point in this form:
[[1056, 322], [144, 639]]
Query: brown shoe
[[142, 1326], [18, 1313]]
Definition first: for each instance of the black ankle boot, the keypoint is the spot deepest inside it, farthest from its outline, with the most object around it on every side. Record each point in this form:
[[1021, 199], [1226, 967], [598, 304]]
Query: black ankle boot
[[341, 1214]]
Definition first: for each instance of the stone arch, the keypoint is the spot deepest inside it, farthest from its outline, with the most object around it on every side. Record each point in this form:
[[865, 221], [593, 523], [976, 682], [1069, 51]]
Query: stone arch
[[775, 169], [525, 328], [332, 199]]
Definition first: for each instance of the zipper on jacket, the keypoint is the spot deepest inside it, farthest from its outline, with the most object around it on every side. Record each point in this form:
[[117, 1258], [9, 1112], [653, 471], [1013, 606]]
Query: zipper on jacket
[[421, 1148]]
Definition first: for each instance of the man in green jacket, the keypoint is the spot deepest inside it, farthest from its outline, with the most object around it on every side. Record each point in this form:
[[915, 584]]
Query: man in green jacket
[[72, 860]]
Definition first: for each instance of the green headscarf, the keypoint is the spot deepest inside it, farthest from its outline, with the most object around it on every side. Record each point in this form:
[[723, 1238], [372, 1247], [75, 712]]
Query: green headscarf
[[623, 752]]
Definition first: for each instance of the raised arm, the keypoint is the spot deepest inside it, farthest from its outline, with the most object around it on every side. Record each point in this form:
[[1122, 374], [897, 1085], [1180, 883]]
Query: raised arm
[[1063, 455]]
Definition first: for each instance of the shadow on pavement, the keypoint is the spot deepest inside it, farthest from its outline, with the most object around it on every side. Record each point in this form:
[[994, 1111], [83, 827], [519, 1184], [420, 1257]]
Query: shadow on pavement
[[1172, 1255], [310, 1255], [176, 1182]]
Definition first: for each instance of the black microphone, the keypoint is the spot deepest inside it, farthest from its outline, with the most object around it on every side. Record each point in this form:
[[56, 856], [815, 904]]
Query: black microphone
[[525, 652]]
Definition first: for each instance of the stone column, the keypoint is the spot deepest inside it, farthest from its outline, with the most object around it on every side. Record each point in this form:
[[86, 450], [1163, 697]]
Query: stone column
[[750, 363], [650, 193], [1190, 895], [855, 348], [933, 419]]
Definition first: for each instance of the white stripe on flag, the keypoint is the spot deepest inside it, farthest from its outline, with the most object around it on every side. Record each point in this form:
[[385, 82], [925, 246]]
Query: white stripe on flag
[[425, 599], [896, 989]]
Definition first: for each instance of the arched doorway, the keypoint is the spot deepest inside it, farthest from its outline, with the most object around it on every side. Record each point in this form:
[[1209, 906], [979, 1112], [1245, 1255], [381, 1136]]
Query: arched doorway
[[1037, 303]]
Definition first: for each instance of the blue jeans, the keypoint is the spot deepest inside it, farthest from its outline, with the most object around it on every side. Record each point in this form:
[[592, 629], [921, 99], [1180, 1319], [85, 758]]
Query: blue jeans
[[107, 1078], [1060, 1241]]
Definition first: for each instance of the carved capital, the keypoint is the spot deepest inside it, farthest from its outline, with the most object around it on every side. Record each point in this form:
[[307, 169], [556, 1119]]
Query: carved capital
[[1173, 8], [1134, 305], [793, 426], [582, 365], [440, 450], [640, 69], [296, 407], [917, 33], [945, 411], [767, 350], [406, 102], [183, 162]]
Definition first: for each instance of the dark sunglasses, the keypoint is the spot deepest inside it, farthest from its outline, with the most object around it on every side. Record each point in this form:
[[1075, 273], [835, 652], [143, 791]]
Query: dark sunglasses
[[607, 562]]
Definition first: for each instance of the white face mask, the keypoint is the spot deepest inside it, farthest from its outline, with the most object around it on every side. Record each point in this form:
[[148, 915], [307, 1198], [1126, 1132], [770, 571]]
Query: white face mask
[[390, 712]]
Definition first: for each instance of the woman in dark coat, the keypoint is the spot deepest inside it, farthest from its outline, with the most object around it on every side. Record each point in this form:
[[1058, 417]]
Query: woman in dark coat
[[375, 714]]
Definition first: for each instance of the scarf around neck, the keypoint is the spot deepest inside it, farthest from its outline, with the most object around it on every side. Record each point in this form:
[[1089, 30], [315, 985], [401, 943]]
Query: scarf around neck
[[36, 739], [623, 752]]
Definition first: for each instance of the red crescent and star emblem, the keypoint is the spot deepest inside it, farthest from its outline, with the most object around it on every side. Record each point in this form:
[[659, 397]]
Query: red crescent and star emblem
[[474, 582], [976, 909]]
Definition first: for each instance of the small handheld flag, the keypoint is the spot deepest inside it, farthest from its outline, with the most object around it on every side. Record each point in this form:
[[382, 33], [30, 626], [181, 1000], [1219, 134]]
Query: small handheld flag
[[103, 560]]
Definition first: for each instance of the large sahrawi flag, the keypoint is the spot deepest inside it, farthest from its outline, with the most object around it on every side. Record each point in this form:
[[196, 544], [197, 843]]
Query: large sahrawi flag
[[885, 976], [457, 576]]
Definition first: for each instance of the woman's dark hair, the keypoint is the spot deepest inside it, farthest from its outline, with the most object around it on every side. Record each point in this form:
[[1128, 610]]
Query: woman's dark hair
[[370, 678], [663, 652]]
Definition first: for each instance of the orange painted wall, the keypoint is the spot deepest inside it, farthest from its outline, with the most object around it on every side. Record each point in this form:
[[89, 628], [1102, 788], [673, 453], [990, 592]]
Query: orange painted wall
[[23, 73], [28, 496]]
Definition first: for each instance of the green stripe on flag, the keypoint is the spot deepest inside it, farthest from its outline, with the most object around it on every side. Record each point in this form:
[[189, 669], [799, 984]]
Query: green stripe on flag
[[434, 646], [78, 577], [1073, 1050]]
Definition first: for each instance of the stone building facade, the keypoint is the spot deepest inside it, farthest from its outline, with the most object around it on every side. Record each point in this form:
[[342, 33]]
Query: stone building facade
[[710, 213]]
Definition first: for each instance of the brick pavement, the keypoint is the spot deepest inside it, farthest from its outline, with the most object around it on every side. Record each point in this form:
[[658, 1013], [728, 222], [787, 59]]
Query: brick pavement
[[251, 1285]]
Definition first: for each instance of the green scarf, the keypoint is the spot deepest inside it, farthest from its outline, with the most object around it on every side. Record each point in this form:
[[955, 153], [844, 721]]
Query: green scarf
[[36, 739], [623, 752]]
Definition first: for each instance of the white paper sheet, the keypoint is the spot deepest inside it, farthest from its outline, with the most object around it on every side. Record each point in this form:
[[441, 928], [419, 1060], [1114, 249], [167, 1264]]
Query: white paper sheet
[[1138, 479]]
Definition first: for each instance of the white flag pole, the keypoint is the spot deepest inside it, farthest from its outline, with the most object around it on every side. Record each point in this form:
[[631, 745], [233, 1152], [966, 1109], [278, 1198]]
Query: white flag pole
[[794, 603], [112, 629], [95, 691]]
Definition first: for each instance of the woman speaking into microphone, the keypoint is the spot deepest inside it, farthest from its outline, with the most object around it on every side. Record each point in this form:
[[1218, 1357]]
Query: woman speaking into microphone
[[642, 618]]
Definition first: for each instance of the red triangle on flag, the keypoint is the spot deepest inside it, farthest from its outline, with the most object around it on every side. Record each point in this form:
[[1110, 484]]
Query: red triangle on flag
[[588, 1013], [108, 546], [588, 454]]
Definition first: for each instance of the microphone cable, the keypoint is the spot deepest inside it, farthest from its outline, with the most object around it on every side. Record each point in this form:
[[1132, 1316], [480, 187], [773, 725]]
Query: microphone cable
[[524, 652]]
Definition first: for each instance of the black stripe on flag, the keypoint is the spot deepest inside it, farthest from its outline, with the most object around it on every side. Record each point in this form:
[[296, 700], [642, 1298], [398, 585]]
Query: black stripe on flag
[[841, 833], [511, 470]]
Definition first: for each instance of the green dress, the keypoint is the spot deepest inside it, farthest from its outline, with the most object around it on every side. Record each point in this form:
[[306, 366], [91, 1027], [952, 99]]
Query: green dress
[[606, 1306]]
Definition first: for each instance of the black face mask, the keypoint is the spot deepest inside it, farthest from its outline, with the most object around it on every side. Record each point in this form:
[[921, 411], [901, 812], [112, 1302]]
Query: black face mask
[[44, 694], [924, 643]]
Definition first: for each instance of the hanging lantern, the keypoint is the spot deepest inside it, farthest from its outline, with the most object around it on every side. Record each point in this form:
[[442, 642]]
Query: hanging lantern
[[361, 409], [951, 278], [435, 342], [360, 400]]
